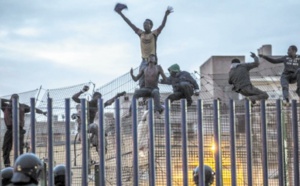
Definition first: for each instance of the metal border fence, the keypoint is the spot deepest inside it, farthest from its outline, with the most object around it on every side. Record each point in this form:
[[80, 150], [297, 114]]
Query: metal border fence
[[246, 145]]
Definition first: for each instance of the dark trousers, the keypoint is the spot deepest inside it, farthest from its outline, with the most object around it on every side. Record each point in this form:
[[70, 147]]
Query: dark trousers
[[253, 93], [146, 93], [183, 90], [8, 142], [287, 79]]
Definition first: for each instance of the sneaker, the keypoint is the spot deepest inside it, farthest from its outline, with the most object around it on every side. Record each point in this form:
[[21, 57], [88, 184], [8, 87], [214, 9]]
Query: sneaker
[[162, 109], [142, 153], [286, 102], [157, 115]]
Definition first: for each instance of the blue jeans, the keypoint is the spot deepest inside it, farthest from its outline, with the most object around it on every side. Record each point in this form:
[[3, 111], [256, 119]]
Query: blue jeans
[[143, 65]]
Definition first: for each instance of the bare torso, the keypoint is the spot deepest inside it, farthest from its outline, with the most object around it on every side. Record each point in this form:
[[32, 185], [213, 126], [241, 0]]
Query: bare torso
[[151, 74]]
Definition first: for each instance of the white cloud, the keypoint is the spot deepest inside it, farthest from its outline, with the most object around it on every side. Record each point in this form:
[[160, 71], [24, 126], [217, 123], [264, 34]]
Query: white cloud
[[28, 32]]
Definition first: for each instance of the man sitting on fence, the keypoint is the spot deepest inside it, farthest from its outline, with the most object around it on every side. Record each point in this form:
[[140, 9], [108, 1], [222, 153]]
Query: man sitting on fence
[[6, 107], [291, 72], [184, 85], [151, 74], [240, 79]]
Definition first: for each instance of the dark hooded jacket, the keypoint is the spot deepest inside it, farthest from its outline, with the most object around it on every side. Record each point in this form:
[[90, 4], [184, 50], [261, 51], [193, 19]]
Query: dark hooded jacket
[[239, 75], [181, 76]]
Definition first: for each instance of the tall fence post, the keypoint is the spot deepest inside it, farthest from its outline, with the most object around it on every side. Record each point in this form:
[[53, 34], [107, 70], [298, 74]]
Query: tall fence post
[[85, 158], [217, 139], [248, 141], [135, 144], [16, 127], [32, 124], [280, 143], [50, 142], [68, 142], [201, 178], [151, 145], [118, 144], [296, 142], [264, 142], [101, 142], [232, 142], [184, 143], [168, 142]]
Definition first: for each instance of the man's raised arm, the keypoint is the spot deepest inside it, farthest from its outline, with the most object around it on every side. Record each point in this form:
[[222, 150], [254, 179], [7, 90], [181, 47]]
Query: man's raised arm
[[135, 78], [271, 60], [118, 8], [168, 11]]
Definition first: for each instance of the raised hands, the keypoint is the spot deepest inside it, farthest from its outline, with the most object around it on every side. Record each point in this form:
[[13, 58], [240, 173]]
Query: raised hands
[[119, 7], [169, 10], [253, 55]]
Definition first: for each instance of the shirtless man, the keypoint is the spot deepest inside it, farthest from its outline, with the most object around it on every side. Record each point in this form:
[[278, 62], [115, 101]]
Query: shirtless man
[[151, 74]]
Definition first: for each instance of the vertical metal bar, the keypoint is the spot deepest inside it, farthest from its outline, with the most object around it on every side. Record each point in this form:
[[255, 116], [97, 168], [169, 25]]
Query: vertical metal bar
[[84, 143], [135, 144], [32, 124], [264, 141], [151, 145], [50, 142], [16, 127], [218, 149], [296, 142], [68, 142], [200, 144], [280, 143], [168, 142], [101, 141], [184, 143], [232, 142], [1, 124], [248, 141], [118, 144]]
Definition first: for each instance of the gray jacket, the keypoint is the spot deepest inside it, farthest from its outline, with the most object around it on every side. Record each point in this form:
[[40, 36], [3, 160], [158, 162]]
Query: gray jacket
[[239, 75]]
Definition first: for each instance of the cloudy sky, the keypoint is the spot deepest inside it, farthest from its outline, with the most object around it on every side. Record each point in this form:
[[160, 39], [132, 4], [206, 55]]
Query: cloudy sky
[[60, 43]]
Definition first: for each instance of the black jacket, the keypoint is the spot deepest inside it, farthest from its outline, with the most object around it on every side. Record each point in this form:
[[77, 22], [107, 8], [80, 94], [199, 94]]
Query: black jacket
[[239, 75]]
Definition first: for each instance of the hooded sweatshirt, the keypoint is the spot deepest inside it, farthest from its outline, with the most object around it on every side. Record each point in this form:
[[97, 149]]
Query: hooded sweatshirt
[[181, 76]]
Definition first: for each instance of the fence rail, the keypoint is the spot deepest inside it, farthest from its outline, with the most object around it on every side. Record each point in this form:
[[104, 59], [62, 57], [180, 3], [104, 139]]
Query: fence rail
[[245, 144]]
